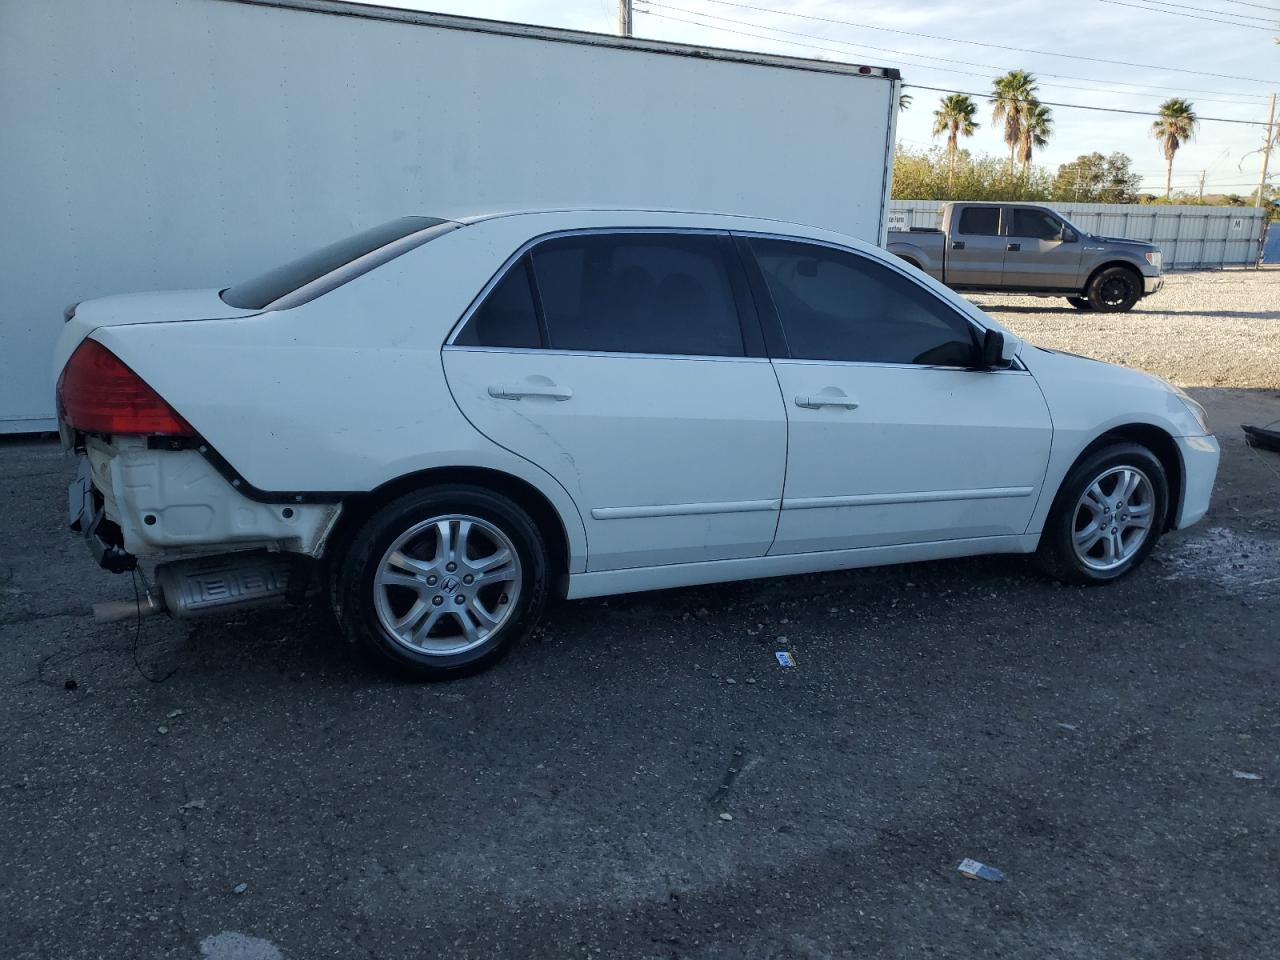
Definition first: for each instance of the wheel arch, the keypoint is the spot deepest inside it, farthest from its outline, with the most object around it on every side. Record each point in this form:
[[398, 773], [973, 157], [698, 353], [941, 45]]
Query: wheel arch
[[1160, 442], [360, 506]]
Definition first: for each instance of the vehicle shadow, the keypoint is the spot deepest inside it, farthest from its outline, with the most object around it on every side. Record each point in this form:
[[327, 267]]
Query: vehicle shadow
[[995, 306]]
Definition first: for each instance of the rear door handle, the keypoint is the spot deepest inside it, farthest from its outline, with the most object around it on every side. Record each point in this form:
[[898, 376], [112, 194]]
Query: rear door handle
[[1014, 247], [512, 391], [819, 400]]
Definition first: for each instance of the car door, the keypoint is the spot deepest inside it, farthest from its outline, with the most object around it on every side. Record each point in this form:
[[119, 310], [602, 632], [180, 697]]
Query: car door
[[1042, 252], [894, 437], [975, 249], [619, 362]]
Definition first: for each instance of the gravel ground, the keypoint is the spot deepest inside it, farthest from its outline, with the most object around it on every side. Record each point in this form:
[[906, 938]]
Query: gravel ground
[[644, 781], [1202, 330]]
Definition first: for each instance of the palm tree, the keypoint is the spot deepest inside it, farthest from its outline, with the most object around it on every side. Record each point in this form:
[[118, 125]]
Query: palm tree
[[1037, 127], [1176, 125], [954, 117], [904, 101], [1011, 96]]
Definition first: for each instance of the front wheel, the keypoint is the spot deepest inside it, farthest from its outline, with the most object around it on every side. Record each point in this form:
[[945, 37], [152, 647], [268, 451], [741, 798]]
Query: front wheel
[[1115, 290], [1080, 303], [442, 582], [1107, 516]]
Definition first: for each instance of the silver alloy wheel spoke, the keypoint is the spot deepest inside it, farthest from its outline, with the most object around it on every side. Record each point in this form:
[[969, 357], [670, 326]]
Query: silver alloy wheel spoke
[[1113, 518], [454, 601]]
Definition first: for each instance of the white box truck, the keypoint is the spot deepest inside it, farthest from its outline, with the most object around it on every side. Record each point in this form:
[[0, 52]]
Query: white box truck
[[155, 144]]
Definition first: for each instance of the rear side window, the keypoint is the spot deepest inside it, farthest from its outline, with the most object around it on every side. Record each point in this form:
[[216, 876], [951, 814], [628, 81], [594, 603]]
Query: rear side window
[[980, 221], [263, 290], [507, 318], [837, 305], [638, 293]]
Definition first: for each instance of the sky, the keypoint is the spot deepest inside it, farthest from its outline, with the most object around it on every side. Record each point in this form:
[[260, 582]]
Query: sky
[[1239, 51]]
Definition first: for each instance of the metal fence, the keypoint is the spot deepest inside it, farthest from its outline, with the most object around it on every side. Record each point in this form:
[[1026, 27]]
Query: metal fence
[[1191, 237]]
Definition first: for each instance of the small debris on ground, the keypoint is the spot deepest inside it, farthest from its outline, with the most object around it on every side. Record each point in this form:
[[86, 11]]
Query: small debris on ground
[[192, 805], [173, 713], [1068, 726], [70, 684], [1242, 775], [976, 870], [726, 817], [785, 659], [239, 888], [162, 730], [730, 680]]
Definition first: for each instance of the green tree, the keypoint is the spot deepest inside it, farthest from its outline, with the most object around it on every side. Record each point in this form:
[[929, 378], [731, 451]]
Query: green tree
[[904, 101], [1037, 128], [954, 117], [933, 175], [1011, 97], [1093, 178], [1176, 125]]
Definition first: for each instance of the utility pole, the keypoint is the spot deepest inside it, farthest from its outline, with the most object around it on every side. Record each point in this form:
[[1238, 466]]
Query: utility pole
[[1266, 150], [624, 18], [1202, 173]]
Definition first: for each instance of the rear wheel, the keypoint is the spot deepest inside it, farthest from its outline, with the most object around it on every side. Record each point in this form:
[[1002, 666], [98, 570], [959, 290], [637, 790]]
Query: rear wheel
[[442, 582], [1107, 516], [1080, 303], [1115, 290]]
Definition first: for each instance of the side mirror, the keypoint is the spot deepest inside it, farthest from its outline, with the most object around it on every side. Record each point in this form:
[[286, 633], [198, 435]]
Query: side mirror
[[1067, 235], [998, 350]]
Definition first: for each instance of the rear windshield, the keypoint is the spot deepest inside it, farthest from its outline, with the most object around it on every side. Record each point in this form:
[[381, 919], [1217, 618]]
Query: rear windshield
[[267, 288]]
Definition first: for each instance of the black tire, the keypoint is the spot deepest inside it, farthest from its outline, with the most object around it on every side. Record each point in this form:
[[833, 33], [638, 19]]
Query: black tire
[[362, 607], [1057, 555], [1080, 303], [1115, 290]]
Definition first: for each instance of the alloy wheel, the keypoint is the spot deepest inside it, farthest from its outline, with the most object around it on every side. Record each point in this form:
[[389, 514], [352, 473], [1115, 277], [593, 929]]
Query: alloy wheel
[[447, 584], [1113, 518]]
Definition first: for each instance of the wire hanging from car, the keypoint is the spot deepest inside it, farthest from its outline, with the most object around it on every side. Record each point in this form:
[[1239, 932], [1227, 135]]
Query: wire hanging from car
[[137, 632]]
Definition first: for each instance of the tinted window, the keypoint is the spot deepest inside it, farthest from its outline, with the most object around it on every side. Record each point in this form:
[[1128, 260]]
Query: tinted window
[[269, 287], [1036, 224], [507, 317], [638, 293], [980, 221], [836, 305]]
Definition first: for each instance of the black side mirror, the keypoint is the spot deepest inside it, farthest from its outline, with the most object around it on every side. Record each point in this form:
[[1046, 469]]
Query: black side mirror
[[1067, 235], [993, 351]]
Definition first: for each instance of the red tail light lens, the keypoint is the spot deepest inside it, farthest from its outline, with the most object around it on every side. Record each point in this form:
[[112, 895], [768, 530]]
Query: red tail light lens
[[97, 393]]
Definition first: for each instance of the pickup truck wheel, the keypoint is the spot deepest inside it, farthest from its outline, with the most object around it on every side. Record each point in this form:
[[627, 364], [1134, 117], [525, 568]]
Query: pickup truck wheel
[[442, 582], [1115, 290], [1107, 516], [1080, 303]]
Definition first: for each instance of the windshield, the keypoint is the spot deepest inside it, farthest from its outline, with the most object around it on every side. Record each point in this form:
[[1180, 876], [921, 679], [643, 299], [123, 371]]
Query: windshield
[[267, 288]]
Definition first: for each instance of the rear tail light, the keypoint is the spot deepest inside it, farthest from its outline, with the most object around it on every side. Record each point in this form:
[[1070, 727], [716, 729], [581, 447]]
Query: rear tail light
[[97, 393]]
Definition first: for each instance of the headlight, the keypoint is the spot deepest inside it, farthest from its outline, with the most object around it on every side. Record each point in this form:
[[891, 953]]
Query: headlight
[[1196, 411], [1155, 258]]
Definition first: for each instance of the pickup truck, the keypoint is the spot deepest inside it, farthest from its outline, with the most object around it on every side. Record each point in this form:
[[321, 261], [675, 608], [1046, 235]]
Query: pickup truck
[[1029, 249]]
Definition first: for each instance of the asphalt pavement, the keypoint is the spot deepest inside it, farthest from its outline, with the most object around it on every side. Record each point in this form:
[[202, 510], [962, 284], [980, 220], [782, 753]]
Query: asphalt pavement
[[645, 780]]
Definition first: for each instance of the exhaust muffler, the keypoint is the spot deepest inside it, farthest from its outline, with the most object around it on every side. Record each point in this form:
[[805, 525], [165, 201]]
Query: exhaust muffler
[[211, 585]]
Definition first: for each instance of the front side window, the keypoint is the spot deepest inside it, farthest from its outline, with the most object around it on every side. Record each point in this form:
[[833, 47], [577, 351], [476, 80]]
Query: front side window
[[980, 221], [638, 293], [838, 305], [1036, 224]]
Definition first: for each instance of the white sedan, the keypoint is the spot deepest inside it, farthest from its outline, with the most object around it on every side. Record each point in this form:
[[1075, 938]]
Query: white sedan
[[441, 423]]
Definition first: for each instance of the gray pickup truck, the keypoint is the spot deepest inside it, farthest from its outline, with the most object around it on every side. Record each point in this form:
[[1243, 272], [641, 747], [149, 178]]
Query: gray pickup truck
[[1028, 249]]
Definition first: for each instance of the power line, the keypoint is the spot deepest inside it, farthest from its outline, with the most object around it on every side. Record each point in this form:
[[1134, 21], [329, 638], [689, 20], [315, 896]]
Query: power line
[[1189, 16], [658, 10], [979, 43], [1081, 106], [1225, 13], [1259, 6]]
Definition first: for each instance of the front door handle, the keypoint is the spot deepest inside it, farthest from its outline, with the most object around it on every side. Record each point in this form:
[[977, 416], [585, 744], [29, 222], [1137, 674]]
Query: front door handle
[[1014, 247], [818, 400], [513, 391], [957, 244]]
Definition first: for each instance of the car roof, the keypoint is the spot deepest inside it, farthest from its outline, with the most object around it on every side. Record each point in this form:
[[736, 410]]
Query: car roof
[[483, 215]]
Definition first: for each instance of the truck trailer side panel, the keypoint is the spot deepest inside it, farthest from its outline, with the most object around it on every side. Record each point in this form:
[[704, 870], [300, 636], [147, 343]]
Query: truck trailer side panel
[[160, 144]]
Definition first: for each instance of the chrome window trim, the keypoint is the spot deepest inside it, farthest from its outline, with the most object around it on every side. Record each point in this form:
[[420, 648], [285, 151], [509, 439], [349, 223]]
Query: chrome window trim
[[359, 266], [528, 245], [464, 348]]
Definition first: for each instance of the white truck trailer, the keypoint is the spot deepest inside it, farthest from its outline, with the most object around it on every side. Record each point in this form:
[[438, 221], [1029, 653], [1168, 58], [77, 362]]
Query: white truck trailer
[[159, 144]]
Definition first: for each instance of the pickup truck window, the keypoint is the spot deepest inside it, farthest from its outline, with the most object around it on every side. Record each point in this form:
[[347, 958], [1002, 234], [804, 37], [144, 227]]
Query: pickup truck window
[[980, 221], [1036, 224], [837, 305]]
